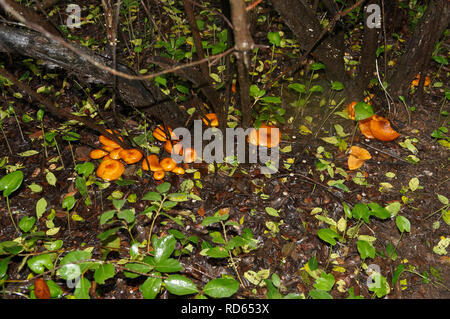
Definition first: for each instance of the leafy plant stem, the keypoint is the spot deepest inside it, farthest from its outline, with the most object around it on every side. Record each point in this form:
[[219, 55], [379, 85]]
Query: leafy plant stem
[[10, 214], [59, 153], [230, 254], [153, 223], [18, 124], [73, 156], [6, 139]]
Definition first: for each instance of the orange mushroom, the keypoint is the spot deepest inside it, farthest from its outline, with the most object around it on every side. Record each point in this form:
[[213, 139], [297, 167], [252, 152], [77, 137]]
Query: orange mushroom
[[351, 110], [173, 146], [97, 154], [114, 154], [153, 161], [189, 155], [130, 156], [109, 142], [159, 175], [168, 164], [178, 170], [364, 127], [162, 134], [263, 136], [369, 98], [416, 81], [382, 130], [357, 157], [110, 169], [211, 120], [108, 148]]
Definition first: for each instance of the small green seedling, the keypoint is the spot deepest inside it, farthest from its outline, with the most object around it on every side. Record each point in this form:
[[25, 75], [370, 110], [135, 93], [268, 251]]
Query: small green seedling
[[8, 184]]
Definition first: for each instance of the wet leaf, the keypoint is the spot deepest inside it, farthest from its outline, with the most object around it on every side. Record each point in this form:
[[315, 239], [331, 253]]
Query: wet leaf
[[26, 223], [403, 224], [39, 263], [68, 202], [324, 282], [103, 273], [180, 285], [151, 286], [82, 289], [221, 287], [363, 111], [328, 235], [365, 249], [163, 247], [11, 182]]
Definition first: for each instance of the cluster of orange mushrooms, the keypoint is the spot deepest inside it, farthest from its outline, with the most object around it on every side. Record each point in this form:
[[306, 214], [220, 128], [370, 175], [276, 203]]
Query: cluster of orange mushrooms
[[374, 127], [111, 167]]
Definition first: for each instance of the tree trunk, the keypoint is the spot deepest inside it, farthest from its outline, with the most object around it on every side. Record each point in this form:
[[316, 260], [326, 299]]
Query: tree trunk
[[133, 93], [420, 47]]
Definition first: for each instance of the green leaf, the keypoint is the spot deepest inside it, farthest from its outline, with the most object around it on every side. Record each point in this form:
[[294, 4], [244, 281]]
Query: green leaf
[[414, 184], [11, 182], [163, 247], [151, 286], [217, 237], [127, 215], [272, 212], [180, 285], [361, 211], [443, 199], [221, 287], [163, 188], [152, 196], [178, 197], [337, 86], [214, 219], [347, 210], [104, 272], [274, 38], [10, 247], [403, 224], [379, 285], [41, 207], [4, 266], [107, 233], [328, 235], [28, 153], [71, 137], [365, 249], [319, 294], [72, 265], [39, 263], [363, 111], [440, 59], [106, 216], [27, 223], [85, 169], [317, 66], [397, 273], [272, 291], [324, 282], [316, 88], [35, 188], [217, 252], [80, 183], [51, 178], [168, 265], [82, 289], [298, 87], [118, 203], [68, 202], [379, 211], [138, 267]]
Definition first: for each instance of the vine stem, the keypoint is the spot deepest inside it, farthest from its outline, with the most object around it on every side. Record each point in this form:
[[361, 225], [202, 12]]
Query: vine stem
[[231, 256], [10, 214], [153, 223]]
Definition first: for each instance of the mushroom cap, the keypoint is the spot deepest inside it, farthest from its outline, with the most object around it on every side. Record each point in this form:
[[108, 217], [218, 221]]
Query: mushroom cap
[[211, 120], [97, 154], [354, 163], [110, 169], [108, 148], [178, 170], [360, 152], [265, 136], [382, 130], [173, 146], [190, 155], [153, 160], [168, 164], [109, 142], [416, 81], [159, 175], [364, 127], [163, 135], [351, 110], [114, 154], [131, 156]]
